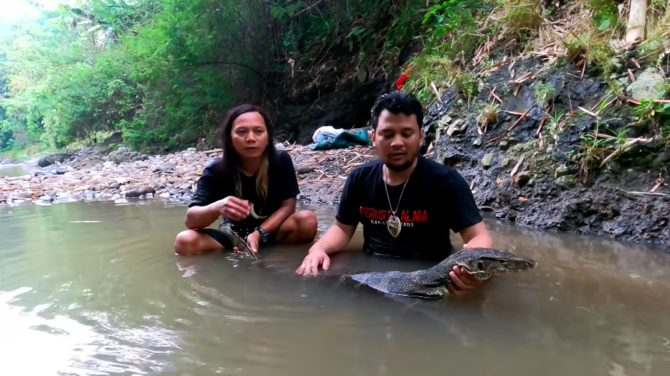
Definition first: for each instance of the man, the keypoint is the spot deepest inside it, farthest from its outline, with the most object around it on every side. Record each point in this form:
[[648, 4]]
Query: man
[[406, 203]]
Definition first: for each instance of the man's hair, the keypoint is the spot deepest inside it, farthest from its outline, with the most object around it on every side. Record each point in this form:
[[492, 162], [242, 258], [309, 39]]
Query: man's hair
[[396, 103]]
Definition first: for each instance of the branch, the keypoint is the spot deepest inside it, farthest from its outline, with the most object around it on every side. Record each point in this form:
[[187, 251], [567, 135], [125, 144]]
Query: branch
[[227, 63], [636, 21]]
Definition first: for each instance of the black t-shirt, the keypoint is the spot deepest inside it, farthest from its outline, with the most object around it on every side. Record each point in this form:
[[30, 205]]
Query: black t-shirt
[[436, 199], [216, 184]]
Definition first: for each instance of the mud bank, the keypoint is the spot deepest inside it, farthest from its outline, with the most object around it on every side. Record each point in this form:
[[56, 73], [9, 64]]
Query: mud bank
[[543, 170]]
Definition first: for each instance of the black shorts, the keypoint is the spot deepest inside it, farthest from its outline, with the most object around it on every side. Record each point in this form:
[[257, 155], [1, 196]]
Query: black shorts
[[222, 239]]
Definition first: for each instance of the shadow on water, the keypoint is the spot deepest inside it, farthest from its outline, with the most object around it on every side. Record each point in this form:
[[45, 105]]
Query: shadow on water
[[95, 289]]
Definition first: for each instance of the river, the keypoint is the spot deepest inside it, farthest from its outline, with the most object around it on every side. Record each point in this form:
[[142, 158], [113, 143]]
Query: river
[[12, 170], [96, 289]]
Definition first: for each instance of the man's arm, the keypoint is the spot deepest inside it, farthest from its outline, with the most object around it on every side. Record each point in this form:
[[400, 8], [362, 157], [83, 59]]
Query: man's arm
[[335, 239], [477, 236], [340, 233]]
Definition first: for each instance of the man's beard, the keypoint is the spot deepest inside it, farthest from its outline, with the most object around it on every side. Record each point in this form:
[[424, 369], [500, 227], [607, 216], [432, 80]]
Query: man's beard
[[402, 167]]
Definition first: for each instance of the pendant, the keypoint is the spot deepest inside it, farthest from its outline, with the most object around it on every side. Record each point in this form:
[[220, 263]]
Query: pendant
[[394, 226], [253, 213]]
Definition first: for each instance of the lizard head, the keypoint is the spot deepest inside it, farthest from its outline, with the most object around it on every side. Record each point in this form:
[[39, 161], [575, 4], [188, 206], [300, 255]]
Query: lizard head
[[483, 263]]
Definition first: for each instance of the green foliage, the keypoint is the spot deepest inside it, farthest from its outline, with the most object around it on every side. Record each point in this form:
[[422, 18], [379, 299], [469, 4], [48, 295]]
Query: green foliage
[[163, 73]]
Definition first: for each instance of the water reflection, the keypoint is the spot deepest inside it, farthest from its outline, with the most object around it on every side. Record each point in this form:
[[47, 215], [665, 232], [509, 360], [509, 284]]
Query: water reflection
[[96, 289]]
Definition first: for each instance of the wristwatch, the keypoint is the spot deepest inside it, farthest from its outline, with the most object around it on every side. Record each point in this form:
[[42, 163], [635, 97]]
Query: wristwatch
[[264, 234]]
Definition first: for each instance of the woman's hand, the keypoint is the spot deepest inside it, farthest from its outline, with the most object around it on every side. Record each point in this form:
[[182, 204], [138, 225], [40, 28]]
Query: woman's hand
[[232, 208], [463, 282], [253, 240]]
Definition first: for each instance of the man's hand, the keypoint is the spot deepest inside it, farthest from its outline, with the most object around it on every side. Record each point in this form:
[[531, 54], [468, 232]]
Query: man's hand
[[310, 265], [463, 282]]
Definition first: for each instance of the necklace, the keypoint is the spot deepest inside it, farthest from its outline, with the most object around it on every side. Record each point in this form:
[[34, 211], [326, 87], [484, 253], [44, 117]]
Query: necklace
[[393, 224]]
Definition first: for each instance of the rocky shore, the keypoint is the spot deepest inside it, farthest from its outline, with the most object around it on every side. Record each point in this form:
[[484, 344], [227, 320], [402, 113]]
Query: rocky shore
[[581, 162], [95, 174]]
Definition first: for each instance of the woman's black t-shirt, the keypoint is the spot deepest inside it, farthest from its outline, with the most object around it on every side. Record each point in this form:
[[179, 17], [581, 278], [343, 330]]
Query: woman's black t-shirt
[[216, 184]]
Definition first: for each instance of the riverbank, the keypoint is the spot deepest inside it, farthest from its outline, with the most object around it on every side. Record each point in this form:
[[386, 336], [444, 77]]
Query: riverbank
[[96, 174]]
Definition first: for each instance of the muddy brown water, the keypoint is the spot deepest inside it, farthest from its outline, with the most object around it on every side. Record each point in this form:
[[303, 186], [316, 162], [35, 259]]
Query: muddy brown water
[[95, 289], [12, 170]]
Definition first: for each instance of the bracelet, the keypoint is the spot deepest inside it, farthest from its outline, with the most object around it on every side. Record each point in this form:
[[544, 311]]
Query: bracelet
[[264, 234]]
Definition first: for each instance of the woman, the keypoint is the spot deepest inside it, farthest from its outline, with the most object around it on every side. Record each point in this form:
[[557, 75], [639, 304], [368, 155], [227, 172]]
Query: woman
[[253, 187]]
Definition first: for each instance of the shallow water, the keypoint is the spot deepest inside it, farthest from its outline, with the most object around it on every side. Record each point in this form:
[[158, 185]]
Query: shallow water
[[95, 289], [12, 170]]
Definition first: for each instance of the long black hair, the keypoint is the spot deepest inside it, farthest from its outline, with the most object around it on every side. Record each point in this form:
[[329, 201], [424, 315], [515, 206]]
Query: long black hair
[[231, 159]]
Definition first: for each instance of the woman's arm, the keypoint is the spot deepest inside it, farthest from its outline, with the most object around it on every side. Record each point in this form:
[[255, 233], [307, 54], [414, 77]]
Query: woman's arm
[[275, 220]]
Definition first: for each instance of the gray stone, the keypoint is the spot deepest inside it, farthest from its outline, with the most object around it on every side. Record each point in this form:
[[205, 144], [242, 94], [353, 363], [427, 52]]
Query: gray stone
[[567, 181], [304, 169], [50, 159], [457, 126], [561, 170], [523, 178], [478, 142], [64, 170], [506, 162], [649, 85], [503, 145], [487, 160], [140, 192]]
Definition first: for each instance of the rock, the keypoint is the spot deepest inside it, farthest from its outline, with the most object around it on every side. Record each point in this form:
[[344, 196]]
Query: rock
[[2, 198], [503, 145], [304, 170], [649, 85], [166, 167], [457, 126], [616, 209], [64, 170], [486, 161], [506, 162], [478, 142], [523, 178], [50, 159], [280, 146], [567, 181], [24, 195], [561, 170], [140, 192]]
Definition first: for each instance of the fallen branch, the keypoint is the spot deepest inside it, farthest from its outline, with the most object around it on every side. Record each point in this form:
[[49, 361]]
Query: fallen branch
[[519, 120], [643, 193], [623, 148], [589, 112], [516, 168]]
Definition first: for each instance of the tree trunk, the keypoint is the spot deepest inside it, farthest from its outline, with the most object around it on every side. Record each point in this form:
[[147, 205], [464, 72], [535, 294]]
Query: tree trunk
[[636, 21]]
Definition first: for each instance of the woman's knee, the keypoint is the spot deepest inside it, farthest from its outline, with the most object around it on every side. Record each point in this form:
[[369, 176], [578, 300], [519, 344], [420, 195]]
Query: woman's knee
[[186, 242], [307, 223]]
